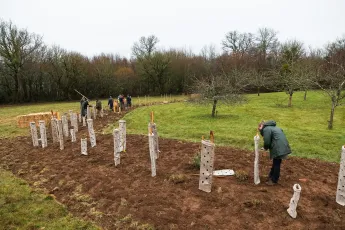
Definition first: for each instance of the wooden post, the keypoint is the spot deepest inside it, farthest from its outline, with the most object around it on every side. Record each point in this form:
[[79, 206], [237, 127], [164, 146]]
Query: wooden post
[[152, 154]]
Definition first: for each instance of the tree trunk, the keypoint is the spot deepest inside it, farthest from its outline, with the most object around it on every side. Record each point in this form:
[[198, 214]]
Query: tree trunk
[[258, 90], [305, 95], [214, 107], [290, 100], [330, 122]]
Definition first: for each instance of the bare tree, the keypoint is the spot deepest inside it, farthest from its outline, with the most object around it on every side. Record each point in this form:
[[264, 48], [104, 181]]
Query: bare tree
[[145, 47], [226, 87], [266, 42], [16, 46], [236, 42], [331, 76]]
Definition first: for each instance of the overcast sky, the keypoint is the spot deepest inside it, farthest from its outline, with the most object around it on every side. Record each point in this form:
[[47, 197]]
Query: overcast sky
[[112, 26]]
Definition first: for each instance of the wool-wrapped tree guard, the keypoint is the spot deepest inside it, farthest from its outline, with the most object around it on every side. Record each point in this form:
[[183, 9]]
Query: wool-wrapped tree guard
[[43, 133], [91, 132], [94, 112], [34, 136], [256, 160], [122, 127], [117, 151], [79, 117], [294, 201], [206, 165], [340, 198], [84, 121]]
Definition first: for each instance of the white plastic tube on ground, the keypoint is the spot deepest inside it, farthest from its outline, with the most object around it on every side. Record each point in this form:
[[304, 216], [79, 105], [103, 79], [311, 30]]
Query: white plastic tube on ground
[[256, 160], [294, 201], [340, 198]]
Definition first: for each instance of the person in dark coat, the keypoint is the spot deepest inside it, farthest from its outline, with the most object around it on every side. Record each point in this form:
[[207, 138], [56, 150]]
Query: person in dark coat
[[129, 101], [274, 140], [84, 109], [111, 103]]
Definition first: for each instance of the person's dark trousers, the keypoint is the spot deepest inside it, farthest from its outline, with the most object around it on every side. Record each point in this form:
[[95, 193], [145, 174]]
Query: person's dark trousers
[[275, 170]]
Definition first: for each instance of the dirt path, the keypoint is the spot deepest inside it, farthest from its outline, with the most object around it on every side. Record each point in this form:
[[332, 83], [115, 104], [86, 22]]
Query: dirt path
[[128, 197]]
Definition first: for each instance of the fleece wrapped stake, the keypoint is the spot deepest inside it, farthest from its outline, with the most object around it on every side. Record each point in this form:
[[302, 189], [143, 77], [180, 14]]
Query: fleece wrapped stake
[[60, 134], [256, 160], [122, 127], [206, 165], [340, 198], [152, 126], [83, 147], [65, 125], [54, 130]]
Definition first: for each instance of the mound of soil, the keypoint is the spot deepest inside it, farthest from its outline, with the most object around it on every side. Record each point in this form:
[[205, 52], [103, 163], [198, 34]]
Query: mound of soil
[[128, 197]]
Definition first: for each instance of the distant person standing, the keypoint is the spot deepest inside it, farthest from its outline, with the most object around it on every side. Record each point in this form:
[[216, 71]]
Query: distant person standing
[[84, 108], [121, 101], [129, 101], [274, 140], [111, 103], [81, 104]]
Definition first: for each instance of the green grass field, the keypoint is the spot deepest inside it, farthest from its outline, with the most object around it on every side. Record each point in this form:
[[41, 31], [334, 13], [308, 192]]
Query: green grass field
[[305, 124], [8, 114], [23, 208]]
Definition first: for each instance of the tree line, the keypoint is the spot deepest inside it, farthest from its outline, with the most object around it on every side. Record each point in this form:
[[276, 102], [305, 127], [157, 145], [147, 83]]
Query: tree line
[[32, 71]]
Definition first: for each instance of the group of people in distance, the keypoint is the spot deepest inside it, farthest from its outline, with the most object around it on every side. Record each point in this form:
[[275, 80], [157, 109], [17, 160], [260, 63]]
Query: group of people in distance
[[122, 102]]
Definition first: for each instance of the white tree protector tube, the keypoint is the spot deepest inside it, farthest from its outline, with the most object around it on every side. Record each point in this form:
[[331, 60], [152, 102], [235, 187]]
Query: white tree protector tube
[[74, 122], [54, 130], [83, 147], [206, 165], [91, 132], [256, 160], [43, 133], [84, 121], [88, 112], [60, 134], [122, 127], [73, 137], [94, 112], [65, 125], [79, 116], [33, 131], [152, 154], [340, 198], [117, 152], [152, 127], [294, 201]]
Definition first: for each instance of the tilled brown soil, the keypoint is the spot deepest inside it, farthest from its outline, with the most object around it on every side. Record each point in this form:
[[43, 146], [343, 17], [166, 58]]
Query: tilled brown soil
[[128, 197]]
